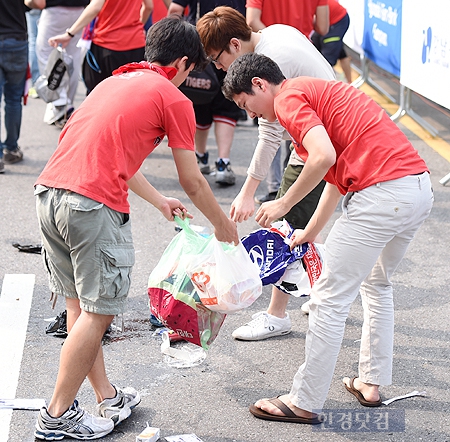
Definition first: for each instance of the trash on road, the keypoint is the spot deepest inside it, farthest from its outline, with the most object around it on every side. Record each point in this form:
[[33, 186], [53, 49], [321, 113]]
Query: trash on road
[[150, 434], [183, 438], [186, 356]]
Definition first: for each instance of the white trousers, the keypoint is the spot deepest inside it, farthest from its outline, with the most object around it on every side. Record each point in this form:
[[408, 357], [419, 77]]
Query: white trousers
[[54, 21], [363, 249]]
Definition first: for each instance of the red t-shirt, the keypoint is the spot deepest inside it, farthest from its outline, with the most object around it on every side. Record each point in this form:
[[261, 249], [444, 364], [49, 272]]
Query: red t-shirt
[[119, 27], [337, 11], [370, 148], [109, 136], [296, 13]]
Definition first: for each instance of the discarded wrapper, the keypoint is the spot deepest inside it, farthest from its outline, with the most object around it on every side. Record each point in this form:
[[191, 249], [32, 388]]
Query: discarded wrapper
[[181, 357], [397, 398], [22, 404], [150, 434], [183, 438]]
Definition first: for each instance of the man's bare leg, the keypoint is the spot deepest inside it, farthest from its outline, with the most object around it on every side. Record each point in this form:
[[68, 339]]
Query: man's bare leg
[[81, 355]]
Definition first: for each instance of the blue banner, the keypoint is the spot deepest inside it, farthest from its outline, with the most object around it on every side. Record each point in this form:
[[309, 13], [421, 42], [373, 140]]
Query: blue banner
[[383, 33]]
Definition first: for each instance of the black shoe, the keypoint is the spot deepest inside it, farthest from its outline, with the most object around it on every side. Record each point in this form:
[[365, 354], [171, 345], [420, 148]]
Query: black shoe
[[265, 198], [58, 327], [202, 162], [28, 248], [63, 120]]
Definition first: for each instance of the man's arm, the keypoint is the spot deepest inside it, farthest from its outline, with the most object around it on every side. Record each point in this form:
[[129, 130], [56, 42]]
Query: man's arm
[[322, 21], [270, 136], [200, 193], [321, 157], [175, 8], [327, 205], [35, 4], [253, 18], [89, 13], [169, 207], [146, 10]]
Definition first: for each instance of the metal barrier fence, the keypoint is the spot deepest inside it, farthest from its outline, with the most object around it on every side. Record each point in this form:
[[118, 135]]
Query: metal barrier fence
[[410, 40]]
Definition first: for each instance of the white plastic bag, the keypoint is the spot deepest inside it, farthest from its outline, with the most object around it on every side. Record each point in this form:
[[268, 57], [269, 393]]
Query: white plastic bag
[[225, 277], [56, 77]]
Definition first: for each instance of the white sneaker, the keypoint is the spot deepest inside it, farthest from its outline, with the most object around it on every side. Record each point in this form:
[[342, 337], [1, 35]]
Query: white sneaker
[[306, 307], [224, 173], [263, 326], [75, 423], [119, 407]]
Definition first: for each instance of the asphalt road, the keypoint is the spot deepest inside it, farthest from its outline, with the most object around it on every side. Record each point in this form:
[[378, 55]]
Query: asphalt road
[[212, 399]]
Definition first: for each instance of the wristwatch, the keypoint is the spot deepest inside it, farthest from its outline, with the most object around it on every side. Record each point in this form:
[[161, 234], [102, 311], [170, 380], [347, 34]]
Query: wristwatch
[[69, 33]]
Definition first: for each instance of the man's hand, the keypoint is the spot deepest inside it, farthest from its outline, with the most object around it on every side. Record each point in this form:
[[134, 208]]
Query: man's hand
[[242, 208], [227, 233], [270, 211], [171, 207], [62, 39], [299, 237]]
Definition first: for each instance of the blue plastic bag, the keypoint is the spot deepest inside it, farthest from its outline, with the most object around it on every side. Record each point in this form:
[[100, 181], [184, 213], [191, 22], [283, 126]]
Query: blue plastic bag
[[270, 250], [294, 271]]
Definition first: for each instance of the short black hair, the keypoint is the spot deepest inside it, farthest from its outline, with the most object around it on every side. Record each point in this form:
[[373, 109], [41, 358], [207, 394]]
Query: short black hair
[[244, 68], [171, 38]]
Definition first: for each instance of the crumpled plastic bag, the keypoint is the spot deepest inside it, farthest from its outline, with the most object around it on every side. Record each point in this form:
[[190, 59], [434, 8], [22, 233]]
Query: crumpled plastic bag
[[292, 271]]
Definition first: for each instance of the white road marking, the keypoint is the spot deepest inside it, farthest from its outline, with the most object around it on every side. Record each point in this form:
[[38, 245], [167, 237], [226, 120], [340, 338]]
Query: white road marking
[[15, 303]]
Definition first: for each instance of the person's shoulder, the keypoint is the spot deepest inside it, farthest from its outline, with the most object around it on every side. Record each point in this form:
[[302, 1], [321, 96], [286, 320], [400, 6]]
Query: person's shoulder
[[291, 37], [279, 28]]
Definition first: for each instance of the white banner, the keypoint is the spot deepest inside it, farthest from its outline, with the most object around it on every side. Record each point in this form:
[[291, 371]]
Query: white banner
[[425, 51], [354, 35]]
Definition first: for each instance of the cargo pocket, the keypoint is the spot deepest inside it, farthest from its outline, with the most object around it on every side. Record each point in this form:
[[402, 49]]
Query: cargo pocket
[[117, 263]]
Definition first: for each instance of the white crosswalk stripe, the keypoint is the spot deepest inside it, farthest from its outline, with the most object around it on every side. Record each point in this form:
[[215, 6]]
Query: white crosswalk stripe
[[15, 303]]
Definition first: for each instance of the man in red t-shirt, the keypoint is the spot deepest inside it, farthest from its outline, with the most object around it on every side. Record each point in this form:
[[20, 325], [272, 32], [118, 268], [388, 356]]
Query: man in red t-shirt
[[307, 16], [363, 155], [83, 211]]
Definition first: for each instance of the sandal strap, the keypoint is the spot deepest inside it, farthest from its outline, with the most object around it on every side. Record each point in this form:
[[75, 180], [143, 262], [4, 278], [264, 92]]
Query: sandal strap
[[283, 407]]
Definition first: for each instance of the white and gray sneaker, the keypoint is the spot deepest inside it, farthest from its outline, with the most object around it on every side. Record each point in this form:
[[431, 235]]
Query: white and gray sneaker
[[119, 407], [224, 173], [75, 423], [263, 326]]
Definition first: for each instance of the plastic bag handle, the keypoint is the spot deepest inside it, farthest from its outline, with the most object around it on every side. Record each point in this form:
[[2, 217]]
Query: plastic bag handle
[[184, 224]]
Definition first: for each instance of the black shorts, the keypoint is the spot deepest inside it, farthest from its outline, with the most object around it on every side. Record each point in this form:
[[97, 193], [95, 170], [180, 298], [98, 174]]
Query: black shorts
[[220, 109], [106, 61]]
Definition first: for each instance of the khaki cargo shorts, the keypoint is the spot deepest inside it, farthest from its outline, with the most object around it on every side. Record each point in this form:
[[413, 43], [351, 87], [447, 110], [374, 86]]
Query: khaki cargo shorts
[[87, 249]]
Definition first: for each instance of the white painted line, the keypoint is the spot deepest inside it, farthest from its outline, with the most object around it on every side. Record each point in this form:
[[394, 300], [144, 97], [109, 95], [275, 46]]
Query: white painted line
[[15, 303]]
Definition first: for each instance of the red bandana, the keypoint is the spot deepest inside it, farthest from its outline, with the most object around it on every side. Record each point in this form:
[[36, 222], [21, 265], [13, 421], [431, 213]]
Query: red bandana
[[166, 71]]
